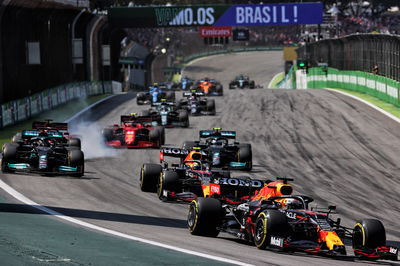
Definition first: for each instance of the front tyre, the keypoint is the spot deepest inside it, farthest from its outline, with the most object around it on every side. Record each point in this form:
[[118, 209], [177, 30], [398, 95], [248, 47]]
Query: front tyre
[[269, 223], [369, 234], [205, 215]]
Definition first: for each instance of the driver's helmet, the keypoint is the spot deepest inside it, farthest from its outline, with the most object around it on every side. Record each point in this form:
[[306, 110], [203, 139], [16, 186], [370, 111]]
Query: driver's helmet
[[193, 165], [291, 204]]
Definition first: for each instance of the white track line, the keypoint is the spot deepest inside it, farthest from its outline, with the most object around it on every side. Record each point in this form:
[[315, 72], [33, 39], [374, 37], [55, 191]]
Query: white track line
[[368, 103], [33, 204], [27, 201]]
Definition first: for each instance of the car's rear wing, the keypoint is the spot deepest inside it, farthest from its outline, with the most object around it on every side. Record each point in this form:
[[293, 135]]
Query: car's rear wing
[[188, 94], [162, 103], [48, 124], [27, 134], [136, 119], [174, 152], [217, 133]]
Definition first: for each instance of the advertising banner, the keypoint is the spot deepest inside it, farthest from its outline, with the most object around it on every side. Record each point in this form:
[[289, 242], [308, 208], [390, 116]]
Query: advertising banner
[[217, 15], [223, 31]]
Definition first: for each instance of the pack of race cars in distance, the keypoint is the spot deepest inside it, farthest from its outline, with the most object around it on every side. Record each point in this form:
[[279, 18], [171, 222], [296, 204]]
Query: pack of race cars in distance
[[47, 148], [167, 114], [276, 219], [155, 94]]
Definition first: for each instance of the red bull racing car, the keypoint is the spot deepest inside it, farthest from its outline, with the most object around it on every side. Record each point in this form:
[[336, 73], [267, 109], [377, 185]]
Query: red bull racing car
[[275, 219], [134, 132], [193, 177]]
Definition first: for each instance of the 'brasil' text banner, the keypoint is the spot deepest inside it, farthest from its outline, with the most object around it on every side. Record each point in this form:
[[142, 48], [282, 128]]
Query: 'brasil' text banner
[[217, 15]]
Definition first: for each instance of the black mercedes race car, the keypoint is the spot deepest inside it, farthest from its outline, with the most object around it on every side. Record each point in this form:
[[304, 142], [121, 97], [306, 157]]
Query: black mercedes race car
[[242, 82], [44, 153], [196, 104], [273, 218], [192, 178], [221, 152], [166, 114]]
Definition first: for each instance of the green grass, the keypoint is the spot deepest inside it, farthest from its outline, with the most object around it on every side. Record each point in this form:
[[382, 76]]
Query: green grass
[[390, 108], [278, 78], [59, 114]]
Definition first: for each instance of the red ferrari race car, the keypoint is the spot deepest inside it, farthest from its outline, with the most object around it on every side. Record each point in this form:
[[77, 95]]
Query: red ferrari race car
[[134, 132], [274, 218]]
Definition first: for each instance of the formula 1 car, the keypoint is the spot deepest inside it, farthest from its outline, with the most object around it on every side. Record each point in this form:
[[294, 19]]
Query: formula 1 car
[[242, 81], [274, 218], [185, 83], [56, 128], [195, 104], [44, 153], [193, 177], [209, 87], [221, 152], [155, 94], [134, 132], [166, 114]]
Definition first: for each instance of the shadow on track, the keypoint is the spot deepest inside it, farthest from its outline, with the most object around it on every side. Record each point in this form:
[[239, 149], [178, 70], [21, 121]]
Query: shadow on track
[[97, 215]]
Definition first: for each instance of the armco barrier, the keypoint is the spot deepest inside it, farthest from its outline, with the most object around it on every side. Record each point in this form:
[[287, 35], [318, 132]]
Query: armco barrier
[[21, 109], [381, 87]]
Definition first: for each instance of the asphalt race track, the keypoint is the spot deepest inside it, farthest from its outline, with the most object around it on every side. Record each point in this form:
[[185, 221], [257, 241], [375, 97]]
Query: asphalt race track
[[338, 150]]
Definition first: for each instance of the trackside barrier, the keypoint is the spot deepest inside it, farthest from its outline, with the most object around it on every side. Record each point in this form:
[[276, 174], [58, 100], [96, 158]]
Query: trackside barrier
[[381, 87], [21, 109], [226, 51]]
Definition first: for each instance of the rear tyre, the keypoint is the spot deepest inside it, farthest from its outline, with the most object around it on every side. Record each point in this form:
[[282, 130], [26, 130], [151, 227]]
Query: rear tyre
[[76, 159], [149, 175], [183, 117], [74, 142], [168, 182], [245, 156], [155, 136], [9, 156], [108, 134], [369, 234], [205, 216], [211, 106], [161, 130], [269, 223], [219, 90]]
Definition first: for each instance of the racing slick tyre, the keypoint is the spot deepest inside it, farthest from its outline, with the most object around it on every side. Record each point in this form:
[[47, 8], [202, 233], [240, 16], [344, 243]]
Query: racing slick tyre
[[188, 145], [369, 234], [17, 137], [205, 216], [140, 98], [74, 143], [210, 106], [161, 129], [183, 117], [77, 159], [219, 89], [270, 223], [108, 134], [232, 86], [252, 85], [245, 155], [9, 156], [170, 96], [149, 175], [155, 136], [168, 182]]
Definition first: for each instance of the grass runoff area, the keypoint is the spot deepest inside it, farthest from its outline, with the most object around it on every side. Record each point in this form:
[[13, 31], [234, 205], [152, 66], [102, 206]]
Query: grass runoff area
[[59, 114]]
